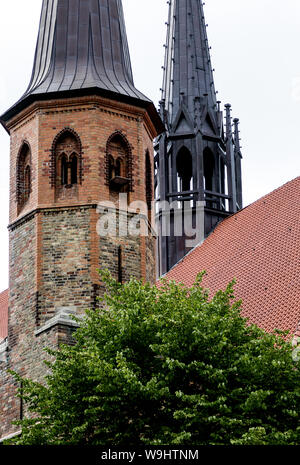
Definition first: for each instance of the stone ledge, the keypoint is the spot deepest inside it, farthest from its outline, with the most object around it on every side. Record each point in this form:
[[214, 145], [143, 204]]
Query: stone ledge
[[3, 350], [63, 318], [10, 436]]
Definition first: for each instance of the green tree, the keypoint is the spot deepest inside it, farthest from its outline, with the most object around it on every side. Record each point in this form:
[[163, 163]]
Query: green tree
[[166, 366]]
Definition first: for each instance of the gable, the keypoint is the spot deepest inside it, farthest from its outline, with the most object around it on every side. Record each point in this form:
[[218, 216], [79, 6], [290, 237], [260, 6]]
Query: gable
[[182, 125]]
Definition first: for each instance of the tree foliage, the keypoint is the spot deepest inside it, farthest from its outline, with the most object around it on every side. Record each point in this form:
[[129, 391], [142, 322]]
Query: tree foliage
[[166, 366]]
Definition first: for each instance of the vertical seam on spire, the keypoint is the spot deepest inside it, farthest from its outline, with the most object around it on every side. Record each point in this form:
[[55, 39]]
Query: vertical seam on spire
[[125, 46], [39, 73], [76, 66], [54, 37], [89, 49], [113, 65], [66, 50], [101, 38]]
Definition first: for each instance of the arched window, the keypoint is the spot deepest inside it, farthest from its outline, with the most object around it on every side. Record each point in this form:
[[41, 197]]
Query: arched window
[[184, 167], [118, 163], [66, 153], [209, 167], [23, 176], [148, 181]]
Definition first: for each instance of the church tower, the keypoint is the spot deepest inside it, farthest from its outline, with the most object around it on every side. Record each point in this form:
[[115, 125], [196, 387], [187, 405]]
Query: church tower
[[198, 160], [81, 134]]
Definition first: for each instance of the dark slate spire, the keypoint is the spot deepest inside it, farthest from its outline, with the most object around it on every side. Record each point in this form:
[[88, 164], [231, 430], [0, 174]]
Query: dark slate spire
[[82, 46], [198, 159], [187, 70]]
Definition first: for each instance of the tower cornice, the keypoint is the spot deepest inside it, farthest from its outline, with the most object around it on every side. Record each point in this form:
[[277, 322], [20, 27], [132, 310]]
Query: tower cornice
[[82, 103]]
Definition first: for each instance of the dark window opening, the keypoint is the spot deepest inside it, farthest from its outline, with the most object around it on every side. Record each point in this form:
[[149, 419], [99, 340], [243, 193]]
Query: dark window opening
[[148, 181], [27, 183], [118, 165], [222, 176], [208, 160], [184, 166], [23, 176], [68, 162], [111, 168], [74, 164], [64, 171], [118, 170]]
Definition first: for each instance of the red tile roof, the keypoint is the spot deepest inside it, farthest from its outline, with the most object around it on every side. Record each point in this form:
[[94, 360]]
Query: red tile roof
[[3, 314], [260, 247]]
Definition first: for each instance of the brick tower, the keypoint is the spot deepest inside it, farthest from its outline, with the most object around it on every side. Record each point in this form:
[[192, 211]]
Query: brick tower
[[80, 135]]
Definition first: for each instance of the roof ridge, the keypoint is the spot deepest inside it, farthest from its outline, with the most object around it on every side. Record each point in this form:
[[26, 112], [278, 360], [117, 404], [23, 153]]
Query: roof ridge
[[221, 223]]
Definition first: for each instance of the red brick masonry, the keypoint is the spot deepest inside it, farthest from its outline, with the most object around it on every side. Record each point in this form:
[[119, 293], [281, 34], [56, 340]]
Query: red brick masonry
[[3, 314]]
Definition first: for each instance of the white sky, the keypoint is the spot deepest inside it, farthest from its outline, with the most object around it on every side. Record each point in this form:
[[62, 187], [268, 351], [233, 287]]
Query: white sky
[[255, 51]]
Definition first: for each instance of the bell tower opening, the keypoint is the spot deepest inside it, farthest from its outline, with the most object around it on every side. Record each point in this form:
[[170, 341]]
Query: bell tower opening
[[118, 158], [208, 170], [23, 176], [66, 154], [184, 167]]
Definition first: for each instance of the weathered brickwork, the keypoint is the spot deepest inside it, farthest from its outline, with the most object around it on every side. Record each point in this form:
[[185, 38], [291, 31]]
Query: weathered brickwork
[[55, 249], [150, 258], [9, 403], [65, 278]]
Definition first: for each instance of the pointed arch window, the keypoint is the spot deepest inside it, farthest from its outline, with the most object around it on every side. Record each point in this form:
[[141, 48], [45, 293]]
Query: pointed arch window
[[23, 176], [184, 167], [118, 163], [66, 162]]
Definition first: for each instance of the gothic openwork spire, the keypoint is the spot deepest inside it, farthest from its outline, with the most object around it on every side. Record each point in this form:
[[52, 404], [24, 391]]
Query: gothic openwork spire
[[198, 157]]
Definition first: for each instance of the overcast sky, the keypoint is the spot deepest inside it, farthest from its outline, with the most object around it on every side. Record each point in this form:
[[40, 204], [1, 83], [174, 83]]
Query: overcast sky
[[255, 52]]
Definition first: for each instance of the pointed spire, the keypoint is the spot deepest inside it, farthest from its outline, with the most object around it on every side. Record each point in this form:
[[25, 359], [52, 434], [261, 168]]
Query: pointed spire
[[82, 46], [187, 70], [194, 127]]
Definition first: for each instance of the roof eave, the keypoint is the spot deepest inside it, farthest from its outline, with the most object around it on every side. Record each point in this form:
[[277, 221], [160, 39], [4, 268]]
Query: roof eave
[[25, 102]]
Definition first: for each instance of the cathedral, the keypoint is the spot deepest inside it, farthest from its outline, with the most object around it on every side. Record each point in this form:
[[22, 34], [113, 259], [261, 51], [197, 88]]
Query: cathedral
[[92, 158]]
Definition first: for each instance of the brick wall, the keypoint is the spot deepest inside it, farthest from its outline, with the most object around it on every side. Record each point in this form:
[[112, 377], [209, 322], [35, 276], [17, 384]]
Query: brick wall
[[54, 246], [65, 275]]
